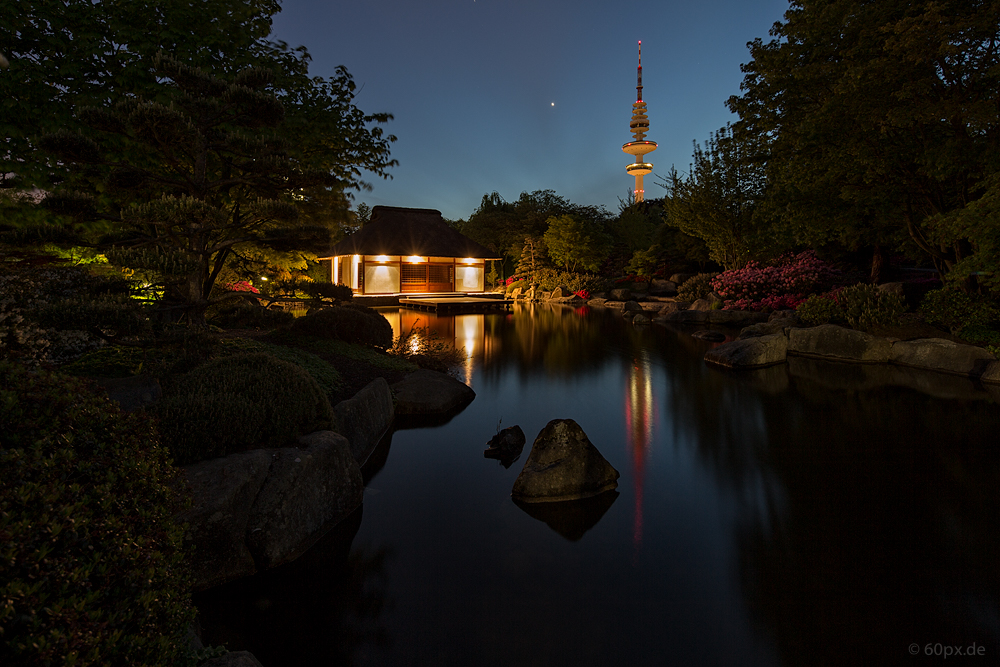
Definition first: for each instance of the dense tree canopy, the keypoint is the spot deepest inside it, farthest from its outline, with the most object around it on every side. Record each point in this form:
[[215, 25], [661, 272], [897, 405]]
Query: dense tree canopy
[[877, 118], [502, 226], [69, 54], [179, 133]]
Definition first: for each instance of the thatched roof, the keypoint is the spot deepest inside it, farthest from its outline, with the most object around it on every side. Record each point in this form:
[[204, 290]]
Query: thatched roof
[[409, 231]]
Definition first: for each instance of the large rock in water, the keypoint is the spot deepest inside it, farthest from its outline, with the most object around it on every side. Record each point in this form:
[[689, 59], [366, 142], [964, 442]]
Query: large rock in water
[[222, 492], [563, 465], [306, 492], [256, 509], [364, 418], [430, 393]]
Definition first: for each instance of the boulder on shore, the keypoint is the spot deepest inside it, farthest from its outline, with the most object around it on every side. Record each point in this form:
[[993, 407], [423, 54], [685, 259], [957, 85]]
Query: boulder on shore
[[427, 392], [938, 354], [364, 418], [832, 342], [563, 465], [256, 509], [306, 492], [754, 352]]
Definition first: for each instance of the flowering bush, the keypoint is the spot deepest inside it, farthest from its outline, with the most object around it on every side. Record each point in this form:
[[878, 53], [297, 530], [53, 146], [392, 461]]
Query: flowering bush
[[784, 285], [582, 293], [241, 286]]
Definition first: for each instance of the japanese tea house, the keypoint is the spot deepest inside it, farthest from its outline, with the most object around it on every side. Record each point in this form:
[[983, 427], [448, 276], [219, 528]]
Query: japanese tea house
[[408, 251]]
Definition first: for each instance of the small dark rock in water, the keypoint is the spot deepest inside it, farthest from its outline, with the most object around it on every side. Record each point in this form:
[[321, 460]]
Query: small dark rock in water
[[710, 336], [563, 465], [506, 446]]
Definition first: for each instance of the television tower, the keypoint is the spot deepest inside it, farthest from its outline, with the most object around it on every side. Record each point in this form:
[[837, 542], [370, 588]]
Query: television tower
[[640, 147]]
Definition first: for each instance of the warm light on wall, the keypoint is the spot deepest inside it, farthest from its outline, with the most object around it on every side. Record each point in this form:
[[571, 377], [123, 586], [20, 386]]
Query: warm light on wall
[[414, 259], [468, 260], [382, 258]]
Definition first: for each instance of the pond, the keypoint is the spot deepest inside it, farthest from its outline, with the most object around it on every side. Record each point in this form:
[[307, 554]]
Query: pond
[[810, 513]]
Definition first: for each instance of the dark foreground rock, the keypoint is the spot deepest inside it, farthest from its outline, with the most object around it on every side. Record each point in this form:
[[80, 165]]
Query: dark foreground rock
[[571, 518], [365, 418], [506, 446], [234, 659], [563, 465], [306, 492], [257, 509], [430, 393]]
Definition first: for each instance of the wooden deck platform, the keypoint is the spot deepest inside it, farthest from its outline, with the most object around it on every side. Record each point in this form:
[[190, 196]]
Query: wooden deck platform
[[454, 304]]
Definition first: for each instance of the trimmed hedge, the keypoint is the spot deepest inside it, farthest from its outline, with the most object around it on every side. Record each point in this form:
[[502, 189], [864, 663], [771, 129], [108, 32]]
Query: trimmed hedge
[[90, 559], [240, 402]]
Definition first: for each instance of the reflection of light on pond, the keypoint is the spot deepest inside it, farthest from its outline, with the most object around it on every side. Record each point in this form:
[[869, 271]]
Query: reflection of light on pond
[[639, 418], [468, 332]]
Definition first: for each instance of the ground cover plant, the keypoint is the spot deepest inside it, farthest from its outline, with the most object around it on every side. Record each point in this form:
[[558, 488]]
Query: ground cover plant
[[90, 559]]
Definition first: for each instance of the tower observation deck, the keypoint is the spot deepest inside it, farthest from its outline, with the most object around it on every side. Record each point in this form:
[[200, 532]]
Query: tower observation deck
[[639, 147]]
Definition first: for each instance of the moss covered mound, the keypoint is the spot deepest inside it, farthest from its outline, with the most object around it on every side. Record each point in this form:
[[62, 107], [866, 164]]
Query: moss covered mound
[[90, 560], [240, 402]]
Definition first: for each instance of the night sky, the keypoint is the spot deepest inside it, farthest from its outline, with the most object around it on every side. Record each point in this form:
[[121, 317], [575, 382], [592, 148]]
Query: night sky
[[524, 95]]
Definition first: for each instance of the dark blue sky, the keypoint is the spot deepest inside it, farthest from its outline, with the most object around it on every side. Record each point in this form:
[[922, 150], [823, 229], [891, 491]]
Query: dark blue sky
[[472, 84]]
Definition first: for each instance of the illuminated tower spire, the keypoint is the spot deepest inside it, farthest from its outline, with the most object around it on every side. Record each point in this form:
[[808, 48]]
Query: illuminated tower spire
[[639, 147]]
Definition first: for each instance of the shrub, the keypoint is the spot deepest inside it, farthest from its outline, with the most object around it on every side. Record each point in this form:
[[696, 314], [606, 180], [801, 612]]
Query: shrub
[[337, 292], [696, 287], [958, 310], [549, 279], [90, 559], [326, 376], [784, 285], [240, 402], [820, 309], [245, 315], [861, 306], [866, 306], [46, 314], [350, 323]]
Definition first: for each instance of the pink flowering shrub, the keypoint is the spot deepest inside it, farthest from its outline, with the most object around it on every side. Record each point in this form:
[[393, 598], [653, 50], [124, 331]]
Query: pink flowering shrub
[[582, 293], [785, 285], [241, 286]]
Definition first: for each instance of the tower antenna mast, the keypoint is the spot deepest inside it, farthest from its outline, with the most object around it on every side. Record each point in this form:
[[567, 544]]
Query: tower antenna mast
[[639, 147]]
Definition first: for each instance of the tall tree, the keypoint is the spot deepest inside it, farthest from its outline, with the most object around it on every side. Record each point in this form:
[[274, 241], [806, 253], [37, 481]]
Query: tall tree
[[195, 180], [576, 244], [718, 201], [878, 117], [68, 54]]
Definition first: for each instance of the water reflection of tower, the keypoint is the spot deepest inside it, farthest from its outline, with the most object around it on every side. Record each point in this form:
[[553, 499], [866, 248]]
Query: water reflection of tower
[[639, 147], [639, 417]]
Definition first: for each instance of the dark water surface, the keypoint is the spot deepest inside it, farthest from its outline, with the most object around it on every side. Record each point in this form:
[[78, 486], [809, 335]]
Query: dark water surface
[[807, 514]]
